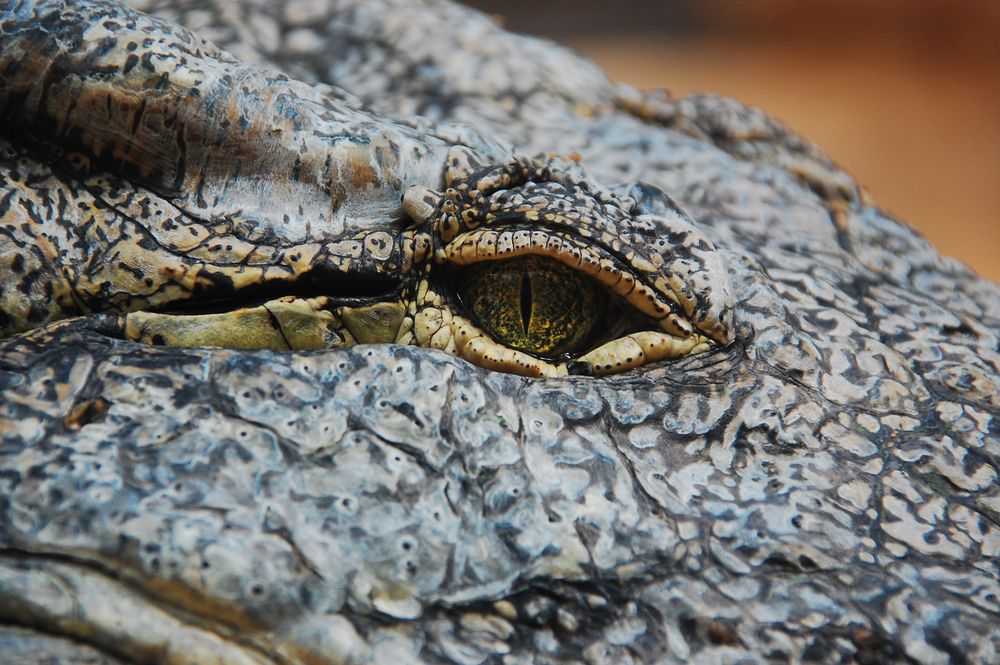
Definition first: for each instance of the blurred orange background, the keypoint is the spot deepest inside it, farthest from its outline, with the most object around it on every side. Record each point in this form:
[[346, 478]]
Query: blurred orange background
[[905, 94]]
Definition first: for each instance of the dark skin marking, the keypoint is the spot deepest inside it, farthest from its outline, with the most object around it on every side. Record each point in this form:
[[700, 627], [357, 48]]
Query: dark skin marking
[[85, 413], [137, 118]]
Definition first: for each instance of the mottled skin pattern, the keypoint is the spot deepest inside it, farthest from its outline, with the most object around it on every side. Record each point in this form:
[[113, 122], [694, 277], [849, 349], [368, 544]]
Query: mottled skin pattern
[[822, 489]]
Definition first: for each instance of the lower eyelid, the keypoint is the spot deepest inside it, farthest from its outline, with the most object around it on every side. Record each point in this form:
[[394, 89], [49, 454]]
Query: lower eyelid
[[477, 347], [640, 348], [618, 355]]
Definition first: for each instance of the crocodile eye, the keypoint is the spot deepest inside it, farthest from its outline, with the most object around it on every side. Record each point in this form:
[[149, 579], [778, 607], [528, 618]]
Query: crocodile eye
[[527, 267], [533, 304]]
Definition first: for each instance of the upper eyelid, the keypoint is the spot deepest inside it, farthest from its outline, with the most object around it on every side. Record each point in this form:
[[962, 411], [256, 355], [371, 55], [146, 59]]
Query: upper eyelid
[[672, 257]]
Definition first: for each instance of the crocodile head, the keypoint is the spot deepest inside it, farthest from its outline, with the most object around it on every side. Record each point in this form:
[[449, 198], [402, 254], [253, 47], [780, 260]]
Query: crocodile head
[[811, 473], [219, 204]]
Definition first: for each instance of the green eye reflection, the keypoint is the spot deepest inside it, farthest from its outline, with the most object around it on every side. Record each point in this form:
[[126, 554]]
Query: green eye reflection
[[533, 304]]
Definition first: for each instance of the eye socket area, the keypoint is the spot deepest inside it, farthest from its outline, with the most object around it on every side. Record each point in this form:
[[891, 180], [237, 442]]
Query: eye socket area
[[650, 258], [536, 305]]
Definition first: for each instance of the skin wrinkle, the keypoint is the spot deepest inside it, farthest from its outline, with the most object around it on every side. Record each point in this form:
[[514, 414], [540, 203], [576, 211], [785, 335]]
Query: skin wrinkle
[[822, 488], [227, 622]]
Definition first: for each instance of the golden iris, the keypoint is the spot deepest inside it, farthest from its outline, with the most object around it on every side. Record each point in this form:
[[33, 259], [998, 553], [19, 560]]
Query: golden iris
[[533, 304]]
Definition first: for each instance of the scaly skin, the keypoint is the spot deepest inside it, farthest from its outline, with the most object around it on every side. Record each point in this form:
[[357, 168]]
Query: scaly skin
[[823, 488]]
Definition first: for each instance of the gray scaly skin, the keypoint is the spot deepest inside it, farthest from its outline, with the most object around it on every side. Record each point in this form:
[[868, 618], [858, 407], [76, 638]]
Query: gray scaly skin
[[821, 489]]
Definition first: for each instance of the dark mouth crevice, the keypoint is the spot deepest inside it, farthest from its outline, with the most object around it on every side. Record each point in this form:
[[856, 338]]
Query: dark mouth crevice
[[216, 293]]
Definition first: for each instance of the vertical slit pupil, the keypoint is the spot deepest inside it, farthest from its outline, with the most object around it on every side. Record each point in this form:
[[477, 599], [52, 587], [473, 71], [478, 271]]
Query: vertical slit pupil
[[525, 301]]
